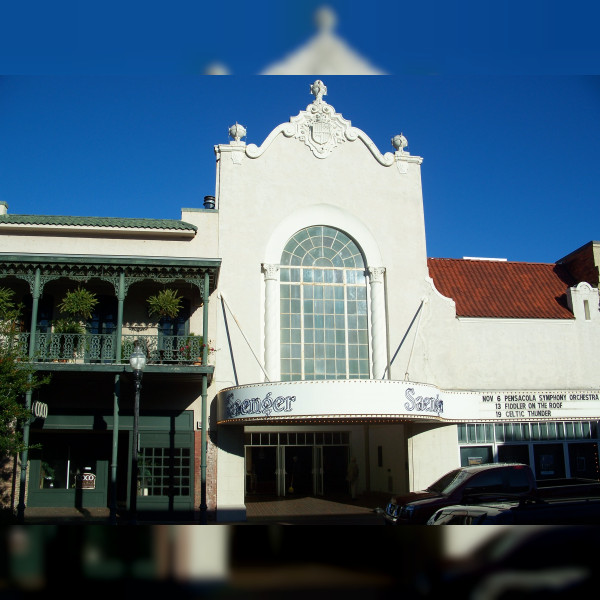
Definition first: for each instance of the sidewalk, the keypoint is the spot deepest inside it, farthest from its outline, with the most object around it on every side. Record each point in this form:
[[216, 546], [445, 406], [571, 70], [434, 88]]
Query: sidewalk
[[259, 510], [309, 510]]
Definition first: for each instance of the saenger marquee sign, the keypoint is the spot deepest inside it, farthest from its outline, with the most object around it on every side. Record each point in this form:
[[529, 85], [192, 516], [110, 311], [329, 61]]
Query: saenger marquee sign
[[366, 400]]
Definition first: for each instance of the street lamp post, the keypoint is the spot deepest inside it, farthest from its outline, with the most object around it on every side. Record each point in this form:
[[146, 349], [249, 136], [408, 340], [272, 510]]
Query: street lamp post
[[137, 360]]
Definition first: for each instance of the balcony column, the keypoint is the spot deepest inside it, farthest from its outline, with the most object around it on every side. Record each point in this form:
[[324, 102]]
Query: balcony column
[[35, 293], [116, 398], [272, 323], [204, 422], [378, 327]]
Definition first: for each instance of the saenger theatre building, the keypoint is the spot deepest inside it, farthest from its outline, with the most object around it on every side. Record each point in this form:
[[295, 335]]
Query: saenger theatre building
[[336, 336]]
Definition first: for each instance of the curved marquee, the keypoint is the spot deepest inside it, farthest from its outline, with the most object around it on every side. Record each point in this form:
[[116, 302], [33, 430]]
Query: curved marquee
[[360, 401]]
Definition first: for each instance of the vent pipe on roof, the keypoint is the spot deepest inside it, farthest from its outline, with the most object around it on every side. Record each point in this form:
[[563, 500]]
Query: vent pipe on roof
[[3, 207], [209, 202]]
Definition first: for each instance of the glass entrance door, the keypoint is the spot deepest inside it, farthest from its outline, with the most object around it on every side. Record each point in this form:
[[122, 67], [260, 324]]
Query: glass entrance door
[[281, 471], [261, 470], [298, 470], [335, 466], [318, 470], [296, 463]]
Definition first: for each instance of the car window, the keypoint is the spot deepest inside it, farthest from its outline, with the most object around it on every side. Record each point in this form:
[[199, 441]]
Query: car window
[[445, 484], [518, 481], [486, 482]]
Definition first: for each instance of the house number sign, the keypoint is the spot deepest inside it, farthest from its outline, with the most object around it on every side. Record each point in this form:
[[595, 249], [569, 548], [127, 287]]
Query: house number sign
[[39, 409]]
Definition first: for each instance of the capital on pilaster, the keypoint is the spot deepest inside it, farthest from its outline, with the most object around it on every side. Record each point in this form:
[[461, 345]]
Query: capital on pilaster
[[376, 274], [271, 272]]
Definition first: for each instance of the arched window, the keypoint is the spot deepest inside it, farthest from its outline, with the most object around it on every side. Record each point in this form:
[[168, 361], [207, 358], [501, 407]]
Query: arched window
[[324, 328]]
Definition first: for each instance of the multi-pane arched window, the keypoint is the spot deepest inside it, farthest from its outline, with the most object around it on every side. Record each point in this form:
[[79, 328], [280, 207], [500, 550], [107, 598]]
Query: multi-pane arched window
[[324, 326]]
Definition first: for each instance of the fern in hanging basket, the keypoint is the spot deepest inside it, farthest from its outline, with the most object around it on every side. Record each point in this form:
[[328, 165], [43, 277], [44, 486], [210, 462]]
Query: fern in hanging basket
[[165, 304], [79, 303]]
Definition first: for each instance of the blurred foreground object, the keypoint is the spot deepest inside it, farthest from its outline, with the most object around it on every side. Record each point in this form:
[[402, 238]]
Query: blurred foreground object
[[324, 54], [516, 562]]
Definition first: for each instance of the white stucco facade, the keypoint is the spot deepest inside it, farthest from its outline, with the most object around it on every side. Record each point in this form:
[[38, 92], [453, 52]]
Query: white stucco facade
[[441, 386], [305, 174]]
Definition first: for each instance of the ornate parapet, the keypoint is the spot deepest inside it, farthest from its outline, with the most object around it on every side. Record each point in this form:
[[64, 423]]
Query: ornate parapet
[[322, 130]]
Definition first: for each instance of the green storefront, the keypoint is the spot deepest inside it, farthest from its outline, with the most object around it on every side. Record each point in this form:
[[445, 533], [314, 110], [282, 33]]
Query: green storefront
[[72, 466]]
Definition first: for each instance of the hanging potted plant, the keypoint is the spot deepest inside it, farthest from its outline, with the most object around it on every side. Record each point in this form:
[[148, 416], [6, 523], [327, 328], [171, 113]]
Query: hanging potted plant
[[165, 304], [77, 306]]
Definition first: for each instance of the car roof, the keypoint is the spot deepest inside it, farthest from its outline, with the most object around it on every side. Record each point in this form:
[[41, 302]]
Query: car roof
[[485, 466]]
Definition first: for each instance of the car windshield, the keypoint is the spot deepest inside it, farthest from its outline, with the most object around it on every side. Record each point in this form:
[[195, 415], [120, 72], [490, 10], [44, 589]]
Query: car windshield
[[446, 484]]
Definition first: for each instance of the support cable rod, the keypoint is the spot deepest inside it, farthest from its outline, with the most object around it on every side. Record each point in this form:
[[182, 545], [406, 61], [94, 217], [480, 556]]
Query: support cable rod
[[414, 340], [229, 341], [244, 336], [404, 338]]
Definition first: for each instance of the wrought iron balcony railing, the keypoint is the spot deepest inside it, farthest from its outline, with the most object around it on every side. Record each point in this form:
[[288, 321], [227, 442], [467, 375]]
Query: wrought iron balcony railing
[[102, 348]]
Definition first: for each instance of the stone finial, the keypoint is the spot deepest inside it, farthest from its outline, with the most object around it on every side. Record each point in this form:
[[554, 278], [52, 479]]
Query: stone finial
[[237, 132], [399, 142], [318, 89], [3, 207]]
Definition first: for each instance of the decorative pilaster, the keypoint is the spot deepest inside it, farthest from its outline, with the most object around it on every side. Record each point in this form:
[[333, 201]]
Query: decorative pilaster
[[272, 328], [378, 329]]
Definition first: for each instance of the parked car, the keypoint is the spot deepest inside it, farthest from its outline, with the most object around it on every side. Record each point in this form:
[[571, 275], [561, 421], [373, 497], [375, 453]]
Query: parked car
[[521, 512], [482, 483]]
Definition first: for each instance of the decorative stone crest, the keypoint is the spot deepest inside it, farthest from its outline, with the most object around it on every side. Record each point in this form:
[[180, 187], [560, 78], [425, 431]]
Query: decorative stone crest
[[319, 126]]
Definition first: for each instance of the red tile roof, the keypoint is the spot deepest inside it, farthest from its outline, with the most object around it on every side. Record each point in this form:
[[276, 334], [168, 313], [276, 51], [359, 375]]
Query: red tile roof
[[502, 289]]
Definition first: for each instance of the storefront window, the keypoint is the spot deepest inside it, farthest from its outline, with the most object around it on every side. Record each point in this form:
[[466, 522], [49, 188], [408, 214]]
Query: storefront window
[[549, 461], [164, 472], [528, 443], [61, 465], [475, 455], [324, 330]]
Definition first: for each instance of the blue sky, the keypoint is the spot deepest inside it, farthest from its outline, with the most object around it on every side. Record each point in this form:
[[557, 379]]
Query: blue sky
[[183, 36], [98, 119]]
